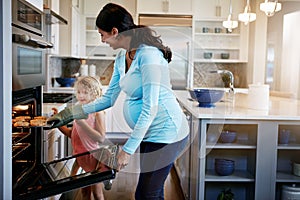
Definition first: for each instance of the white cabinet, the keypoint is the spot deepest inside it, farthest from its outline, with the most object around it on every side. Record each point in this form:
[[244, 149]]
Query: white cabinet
[[93, 7], [287, 154], [117, 121], [53, 30], [215, 9], [216, 39], [70, 35], [243, 152], [165, 6], [93, 44], [262, 164], [210, 36], [37, 3], [75, 30], [92, 39]]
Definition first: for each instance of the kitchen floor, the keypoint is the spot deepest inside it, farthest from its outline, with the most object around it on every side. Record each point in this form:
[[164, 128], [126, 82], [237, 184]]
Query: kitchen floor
[[124, 187]]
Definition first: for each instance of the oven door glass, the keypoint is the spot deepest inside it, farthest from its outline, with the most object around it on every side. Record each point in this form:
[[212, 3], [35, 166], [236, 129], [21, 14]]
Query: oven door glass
[[52, 178], [29, 61], [28, 66], [27, 16]]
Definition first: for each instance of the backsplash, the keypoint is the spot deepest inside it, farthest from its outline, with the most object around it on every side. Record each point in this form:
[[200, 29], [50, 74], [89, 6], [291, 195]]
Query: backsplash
[[67, 66], [203, 77]]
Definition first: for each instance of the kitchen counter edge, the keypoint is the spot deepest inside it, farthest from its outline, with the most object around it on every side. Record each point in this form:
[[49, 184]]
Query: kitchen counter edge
[[279, 108]]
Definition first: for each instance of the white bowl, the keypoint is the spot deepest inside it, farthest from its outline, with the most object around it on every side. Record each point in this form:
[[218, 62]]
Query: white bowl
[[296, 169]]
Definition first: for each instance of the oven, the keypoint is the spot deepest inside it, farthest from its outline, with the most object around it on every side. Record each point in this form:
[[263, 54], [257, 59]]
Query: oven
[[34, 176], [29, 45]]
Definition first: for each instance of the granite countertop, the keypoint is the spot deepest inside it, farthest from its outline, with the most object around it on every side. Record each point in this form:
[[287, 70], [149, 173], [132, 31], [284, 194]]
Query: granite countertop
[[279, 108]]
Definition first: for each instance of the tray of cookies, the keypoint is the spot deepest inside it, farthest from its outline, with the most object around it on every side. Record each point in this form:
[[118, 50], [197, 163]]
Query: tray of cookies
[[28, 122]]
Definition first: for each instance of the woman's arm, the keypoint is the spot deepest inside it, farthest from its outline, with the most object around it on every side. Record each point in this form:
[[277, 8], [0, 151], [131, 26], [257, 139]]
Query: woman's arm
[[110, 96], [97, 134]]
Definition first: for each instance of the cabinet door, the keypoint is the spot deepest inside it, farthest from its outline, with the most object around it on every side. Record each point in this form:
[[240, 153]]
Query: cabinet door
[[217, 9], [75, 36], [164, 6], [37, 3], [92, 7], [118, 122]]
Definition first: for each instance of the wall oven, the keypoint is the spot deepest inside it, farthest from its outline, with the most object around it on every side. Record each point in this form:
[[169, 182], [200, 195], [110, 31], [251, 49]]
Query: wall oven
[[29, 46], [33, 175]]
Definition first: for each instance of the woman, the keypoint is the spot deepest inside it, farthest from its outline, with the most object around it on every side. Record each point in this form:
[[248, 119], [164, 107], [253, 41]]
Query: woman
[[159, 127]]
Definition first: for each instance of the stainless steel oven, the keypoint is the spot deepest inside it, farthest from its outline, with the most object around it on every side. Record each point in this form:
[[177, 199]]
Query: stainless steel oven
[[29, 46], [33, 175]]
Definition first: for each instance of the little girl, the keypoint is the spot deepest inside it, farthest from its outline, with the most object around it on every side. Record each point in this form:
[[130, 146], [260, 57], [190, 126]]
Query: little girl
[[86, 134]]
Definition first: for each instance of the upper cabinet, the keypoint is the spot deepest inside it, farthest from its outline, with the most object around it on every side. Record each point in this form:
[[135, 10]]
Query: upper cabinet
[[92, 7], [93, 45], [165, 6], [37, 3], [70, 35], [204, 9], [212, 42]]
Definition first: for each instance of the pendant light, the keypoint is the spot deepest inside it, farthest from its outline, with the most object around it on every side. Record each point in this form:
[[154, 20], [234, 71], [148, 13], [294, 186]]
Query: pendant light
[[247, 16], [229, 23], [270, 7]]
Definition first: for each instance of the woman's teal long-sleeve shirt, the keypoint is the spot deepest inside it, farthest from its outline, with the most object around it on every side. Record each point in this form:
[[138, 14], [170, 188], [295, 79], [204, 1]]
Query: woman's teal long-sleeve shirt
[[150, 107]]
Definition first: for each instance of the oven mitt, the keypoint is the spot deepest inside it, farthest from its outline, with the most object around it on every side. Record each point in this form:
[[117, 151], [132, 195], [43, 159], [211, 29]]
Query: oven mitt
[[67, 115]]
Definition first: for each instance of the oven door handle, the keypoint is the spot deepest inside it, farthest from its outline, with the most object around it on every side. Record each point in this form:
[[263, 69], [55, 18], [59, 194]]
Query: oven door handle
[[27, 40]]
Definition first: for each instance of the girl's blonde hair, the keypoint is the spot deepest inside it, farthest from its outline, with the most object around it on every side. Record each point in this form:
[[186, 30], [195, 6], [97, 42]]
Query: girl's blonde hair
[[91, 85]]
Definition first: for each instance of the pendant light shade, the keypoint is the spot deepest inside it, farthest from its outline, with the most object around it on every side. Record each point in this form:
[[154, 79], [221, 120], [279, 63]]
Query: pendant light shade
[[247, 16], [229, 23], [270, 7]]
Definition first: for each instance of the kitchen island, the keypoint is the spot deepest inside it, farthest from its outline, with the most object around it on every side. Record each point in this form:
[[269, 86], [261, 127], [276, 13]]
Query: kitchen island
[[262, 163]]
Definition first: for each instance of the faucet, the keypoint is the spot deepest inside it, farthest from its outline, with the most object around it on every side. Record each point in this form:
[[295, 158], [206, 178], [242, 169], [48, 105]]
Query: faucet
[[231, 87]]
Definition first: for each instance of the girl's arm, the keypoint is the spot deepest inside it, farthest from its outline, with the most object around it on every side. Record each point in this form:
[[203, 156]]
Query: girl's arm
[[64, 129], [97, 134]]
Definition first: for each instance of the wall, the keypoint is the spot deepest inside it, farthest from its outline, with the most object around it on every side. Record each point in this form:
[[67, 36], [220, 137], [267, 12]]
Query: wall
[[283, 38]]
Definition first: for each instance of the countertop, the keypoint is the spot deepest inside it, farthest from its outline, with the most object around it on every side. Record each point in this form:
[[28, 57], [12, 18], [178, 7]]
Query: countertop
[[279, 108]]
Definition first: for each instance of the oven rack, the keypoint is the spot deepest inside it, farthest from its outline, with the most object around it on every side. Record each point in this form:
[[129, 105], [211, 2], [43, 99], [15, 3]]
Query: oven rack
[[18, 137], [19, 148]]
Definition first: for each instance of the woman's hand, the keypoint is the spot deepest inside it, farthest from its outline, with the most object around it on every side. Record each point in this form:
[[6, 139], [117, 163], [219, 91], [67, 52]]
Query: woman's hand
[[123, 159]]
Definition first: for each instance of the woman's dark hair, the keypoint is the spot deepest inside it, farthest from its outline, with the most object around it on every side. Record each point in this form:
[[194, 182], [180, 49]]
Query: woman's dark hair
[[113, 15]]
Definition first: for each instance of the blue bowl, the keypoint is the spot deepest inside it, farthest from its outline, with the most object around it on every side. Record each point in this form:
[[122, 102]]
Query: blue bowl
[[66, 82], [227, 136], [192, 94], [224, 167], [208, 97]]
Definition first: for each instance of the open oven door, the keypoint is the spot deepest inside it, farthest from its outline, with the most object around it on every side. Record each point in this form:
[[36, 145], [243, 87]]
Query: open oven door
[[49, 179]]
